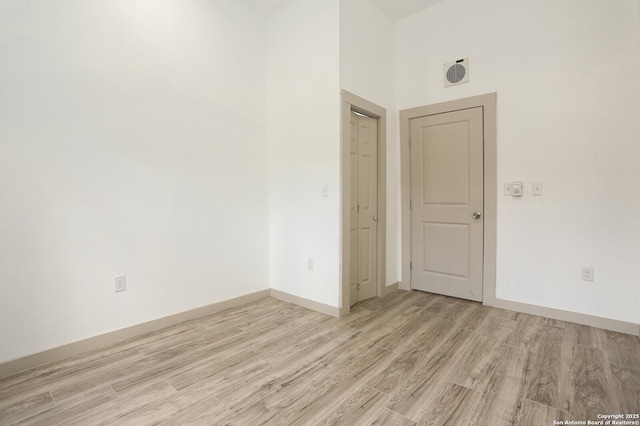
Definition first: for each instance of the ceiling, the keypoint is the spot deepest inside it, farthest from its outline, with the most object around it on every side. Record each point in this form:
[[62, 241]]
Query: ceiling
[[394, 9], [266, 8], [399, 9]]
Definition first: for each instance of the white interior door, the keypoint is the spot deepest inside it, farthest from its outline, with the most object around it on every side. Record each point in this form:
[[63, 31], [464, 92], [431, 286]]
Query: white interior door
[[447, 203], [364, 202]]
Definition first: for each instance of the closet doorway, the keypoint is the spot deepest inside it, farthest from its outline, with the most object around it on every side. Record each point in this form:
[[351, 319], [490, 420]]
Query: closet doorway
[[363, 184]]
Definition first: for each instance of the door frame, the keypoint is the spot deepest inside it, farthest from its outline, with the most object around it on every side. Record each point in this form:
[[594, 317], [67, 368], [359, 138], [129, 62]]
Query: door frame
[[490, 186], [351, 102]]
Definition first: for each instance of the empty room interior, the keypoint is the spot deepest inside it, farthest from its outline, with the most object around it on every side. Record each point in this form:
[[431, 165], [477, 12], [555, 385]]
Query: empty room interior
[[389, 212]]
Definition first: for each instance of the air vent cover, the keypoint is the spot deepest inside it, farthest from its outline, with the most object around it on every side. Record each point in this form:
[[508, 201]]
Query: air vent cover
[[456, 72]]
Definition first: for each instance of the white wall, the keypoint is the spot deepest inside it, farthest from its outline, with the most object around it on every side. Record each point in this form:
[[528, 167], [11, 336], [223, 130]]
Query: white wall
[[132, 141], [304, 149], [568, 108], [366, 69]]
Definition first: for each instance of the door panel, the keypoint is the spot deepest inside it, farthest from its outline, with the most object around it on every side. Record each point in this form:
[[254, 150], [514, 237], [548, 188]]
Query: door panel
[[353, 212], [446, 189], [364, 263], [445, 152], [446, 249]]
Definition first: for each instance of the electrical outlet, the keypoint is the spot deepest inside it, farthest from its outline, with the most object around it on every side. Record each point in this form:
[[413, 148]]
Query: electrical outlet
[[587, 273], [310, 263], [121, 283]]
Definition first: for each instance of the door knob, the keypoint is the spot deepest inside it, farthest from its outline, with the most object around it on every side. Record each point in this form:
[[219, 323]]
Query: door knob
[[477, 215], [375, 218]]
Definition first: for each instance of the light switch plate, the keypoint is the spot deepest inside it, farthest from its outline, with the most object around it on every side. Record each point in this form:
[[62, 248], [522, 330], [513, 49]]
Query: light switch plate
[[536, 188], [325, 190], [508, 189]]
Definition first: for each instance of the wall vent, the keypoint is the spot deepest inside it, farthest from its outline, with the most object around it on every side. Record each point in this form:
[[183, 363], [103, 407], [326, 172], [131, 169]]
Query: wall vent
[[456, 72]]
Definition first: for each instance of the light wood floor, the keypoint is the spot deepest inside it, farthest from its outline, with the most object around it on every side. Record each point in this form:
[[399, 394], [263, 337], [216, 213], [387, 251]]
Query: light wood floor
[[409, 358]]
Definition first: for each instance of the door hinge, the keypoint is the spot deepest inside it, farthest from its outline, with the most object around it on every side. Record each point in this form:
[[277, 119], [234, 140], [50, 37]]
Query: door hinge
[[409, 142], [410, 204], [411, 266]]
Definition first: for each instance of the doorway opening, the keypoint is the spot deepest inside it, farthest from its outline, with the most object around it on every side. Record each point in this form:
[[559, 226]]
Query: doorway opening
[[444, 216]]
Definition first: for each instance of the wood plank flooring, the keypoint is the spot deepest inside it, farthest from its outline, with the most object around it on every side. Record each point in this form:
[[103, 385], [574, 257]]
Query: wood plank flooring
[[408, 358]]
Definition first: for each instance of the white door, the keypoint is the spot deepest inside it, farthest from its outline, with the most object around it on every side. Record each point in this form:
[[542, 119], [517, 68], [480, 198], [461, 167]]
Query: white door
[[363, 209], [447, 203]]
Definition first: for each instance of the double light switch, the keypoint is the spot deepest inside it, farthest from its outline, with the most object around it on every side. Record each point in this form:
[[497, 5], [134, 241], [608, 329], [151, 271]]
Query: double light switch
[[516, 189]]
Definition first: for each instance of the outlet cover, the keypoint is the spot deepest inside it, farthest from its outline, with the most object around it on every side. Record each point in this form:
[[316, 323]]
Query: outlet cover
[[587, 273], [121, 283], [310, 263]]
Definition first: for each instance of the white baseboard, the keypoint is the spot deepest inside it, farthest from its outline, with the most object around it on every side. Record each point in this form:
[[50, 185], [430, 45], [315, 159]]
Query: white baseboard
[[344, 311], [305, 303], [559, 314], [56, 354], [392, 288], [562, 315]]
